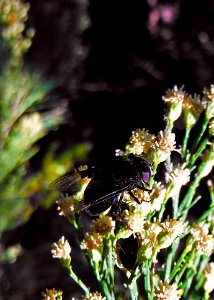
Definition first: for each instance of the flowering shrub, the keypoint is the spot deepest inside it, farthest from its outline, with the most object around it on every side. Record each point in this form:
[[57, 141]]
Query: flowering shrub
[[160, 224]]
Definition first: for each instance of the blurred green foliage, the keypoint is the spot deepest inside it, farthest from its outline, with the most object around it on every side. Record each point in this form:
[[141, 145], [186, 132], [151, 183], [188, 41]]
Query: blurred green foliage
[[21, 125]]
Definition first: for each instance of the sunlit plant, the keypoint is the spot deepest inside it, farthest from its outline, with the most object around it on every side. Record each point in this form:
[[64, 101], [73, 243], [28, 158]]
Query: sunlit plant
[[173, 251], [25, 118]]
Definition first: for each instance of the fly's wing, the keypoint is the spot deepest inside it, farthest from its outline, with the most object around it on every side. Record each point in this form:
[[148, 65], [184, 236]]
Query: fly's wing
[[101, 193], [71, 183], [68, 184]]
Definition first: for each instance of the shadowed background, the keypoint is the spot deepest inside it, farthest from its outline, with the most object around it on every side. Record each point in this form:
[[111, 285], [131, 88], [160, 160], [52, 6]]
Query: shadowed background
[[111, 62]]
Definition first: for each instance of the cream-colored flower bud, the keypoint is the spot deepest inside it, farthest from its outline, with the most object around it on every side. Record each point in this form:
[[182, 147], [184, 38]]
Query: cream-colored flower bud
[[208, 102], [192, 109], [157, 196], [171, 229], [165, 291], [176, 178], [164, 144], [209, 277], [148, 242], [61, 249], [140, 142], [204, 242], [65, 206], [104, 225], [93, 244], [133, 219], [174, 98], [208, 159], [52, 294], [94, 296]]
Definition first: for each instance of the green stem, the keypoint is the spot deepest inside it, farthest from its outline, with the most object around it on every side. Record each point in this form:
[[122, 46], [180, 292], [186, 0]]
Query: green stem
[[199, 277], [133, 290], [169, 124], [78, 281], [170, 257], [102, 282], [166, 198], [206, 215], [190, 276], [184, 267], [105, 273], [195, 183], [175, 201], [206, 296], [74, 220], [105, 290], [197, 154], [135, 274], [95, 267], [185, 142], [202, 130], [110, 265], [179, 262], [192, 204], [147, 279], [160, 214]]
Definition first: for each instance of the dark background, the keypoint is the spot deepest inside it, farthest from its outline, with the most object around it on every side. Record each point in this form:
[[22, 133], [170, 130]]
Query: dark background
[[111, 61]]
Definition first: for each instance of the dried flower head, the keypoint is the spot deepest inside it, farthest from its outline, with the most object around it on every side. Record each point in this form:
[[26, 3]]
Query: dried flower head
[[208, 102], [175, 95], [159, 235], [165, 141], [176, 178], [52, 294], [133, 219], [192, 109], [148, 241], [165, 291], [209, 277], [150, 201], [65, 206], [92, 241], [155, 149], [157, 196], [93, 244], [144, 199], [204, 242], [61, 249], [140, 142], [104, 225], [193, 104], [208, 158], [164, 145], [174, 99], [171, 229], [94, 296]]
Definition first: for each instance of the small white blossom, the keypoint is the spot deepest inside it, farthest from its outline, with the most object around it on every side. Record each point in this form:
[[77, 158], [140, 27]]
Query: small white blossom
[[61, 249]]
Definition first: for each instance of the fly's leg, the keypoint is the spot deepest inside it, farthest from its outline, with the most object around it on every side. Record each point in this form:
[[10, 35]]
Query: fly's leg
[[134, 197]]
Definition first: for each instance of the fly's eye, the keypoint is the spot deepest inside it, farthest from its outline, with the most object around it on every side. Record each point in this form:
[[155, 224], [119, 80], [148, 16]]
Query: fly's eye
[[146, 176], [146, 172]]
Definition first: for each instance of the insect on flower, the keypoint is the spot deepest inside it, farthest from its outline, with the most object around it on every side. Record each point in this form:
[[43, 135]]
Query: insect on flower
[[107, 184]]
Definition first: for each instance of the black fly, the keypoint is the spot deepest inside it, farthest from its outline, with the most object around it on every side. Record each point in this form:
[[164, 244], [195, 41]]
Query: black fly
[[107, 185]]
